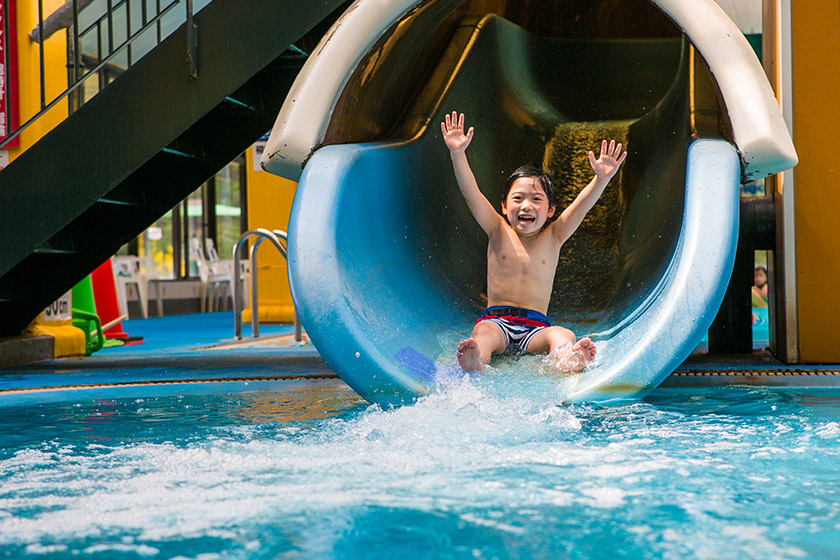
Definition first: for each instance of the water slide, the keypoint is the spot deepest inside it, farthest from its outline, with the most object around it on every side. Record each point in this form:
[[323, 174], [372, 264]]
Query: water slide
[[387, 265]]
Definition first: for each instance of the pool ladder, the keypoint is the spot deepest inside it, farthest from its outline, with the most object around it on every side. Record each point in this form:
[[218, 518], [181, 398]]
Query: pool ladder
[[262, 234]]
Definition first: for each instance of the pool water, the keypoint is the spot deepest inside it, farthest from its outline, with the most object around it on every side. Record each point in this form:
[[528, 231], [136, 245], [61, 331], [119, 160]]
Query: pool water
[[480, 470]]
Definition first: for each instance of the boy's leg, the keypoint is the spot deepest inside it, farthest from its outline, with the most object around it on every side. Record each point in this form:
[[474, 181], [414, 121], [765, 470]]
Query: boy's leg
[[578, 357], [475, 352]]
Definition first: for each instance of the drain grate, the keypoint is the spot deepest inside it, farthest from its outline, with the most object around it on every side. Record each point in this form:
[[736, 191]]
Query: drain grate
[[140, 383], [758, 373]]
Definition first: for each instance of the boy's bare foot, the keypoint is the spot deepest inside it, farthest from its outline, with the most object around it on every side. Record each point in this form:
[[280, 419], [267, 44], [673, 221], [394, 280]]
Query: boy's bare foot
[[468, 355], [576, 358], [586, 347]]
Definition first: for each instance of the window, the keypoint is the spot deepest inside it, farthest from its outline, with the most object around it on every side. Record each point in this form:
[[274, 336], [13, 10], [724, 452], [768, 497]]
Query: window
[[216, 210]]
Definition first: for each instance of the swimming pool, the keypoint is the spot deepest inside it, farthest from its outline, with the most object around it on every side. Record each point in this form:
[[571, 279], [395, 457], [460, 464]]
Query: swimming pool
[[484, 469]]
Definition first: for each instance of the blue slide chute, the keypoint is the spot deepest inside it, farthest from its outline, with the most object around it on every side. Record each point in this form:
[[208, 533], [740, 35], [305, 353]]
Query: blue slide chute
[[386, 263], [382, 313]]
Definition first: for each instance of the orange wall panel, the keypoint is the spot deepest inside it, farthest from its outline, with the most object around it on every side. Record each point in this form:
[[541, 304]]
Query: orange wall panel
[[815, 45]]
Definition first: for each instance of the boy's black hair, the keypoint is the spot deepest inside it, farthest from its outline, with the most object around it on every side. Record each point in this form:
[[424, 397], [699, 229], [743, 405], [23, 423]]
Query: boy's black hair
[[545, 180]]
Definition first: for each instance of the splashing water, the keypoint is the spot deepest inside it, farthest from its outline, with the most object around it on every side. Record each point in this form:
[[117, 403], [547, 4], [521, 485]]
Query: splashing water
[[485, 468]]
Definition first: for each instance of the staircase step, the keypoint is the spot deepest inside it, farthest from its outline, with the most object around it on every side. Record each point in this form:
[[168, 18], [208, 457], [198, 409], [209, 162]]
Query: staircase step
[[179, 153], [55, 251], [122, 196], [115, 202], [238, 103]]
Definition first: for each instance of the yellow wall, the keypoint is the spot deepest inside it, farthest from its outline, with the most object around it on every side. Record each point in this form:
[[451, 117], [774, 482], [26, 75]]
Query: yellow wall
[[269, 204], [69, 340], [55, 72], [816, 119]]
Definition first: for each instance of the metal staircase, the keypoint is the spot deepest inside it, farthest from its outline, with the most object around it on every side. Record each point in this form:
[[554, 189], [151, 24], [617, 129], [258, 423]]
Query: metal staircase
[[144, 143]]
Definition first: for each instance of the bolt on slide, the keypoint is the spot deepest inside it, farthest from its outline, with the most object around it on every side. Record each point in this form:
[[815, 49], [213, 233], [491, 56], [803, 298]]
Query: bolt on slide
[[386, 263]]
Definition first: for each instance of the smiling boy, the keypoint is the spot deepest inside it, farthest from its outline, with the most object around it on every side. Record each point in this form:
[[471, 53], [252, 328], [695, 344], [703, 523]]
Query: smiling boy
[[522, 255]]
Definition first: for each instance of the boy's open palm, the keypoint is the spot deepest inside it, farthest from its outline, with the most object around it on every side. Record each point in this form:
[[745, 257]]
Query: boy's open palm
[[453, 132], [609, 161]]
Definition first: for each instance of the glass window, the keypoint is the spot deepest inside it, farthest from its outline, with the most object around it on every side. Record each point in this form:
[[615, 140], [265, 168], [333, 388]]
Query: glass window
[[194, 229], [228, 207], [157, 244], [214, 211]]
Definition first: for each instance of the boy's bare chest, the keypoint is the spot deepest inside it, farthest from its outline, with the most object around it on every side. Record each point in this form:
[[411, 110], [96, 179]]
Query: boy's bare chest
[[507, 253]]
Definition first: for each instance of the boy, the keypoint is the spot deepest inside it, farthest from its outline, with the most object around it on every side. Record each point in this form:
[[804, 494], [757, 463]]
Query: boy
[[522, 255]]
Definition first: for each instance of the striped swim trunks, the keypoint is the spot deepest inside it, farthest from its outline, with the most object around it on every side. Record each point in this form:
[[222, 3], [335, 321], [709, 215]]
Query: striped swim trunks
[[518, 326]]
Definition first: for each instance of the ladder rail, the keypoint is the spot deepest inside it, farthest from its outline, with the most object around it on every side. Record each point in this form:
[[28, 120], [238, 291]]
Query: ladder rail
[[261, 234]]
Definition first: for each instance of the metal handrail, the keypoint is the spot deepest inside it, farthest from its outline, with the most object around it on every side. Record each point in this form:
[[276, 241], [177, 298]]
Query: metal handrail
[[262, 234], [74, 39]]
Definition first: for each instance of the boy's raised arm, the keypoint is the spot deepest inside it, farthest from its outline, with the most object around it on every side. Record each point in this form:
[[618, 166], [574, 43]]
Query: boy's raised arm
[[457, 141], [605, 168]]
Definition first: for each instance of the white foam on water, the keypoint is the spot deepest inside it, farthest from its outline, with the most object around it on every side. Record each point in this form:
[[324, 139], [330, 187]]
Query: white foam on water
[[140, 550], [495, 453], [451, 447], [829, 430], [493, 524], [37, 548]]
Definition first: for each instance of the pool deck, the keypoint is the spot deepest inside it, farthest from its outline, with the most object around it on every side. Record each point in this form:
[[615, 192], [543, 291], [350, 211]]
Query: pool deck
[[199, 348]]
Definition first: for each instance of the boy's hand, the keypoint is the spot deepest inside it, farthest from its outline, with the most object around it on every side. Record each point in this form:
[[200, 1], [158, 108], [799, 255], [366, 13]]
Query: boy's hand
[[453, 133], [607, 164]]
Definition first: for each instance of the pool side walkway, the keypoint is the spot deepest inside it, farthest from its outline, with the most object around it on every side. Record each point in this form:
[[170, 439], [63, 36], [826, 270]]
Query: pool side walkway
[[200, 348], [177, 349]]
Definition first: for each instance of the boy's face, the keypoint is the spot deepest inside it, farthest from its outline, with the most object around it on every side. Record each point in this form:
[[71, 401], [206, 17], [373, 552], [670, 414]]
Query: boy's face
[[527, 207]]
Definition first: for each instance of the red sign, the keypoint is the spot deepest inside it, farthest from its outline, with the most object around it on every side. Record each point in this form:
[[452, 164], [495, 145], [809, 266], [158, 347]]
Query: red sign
[[8, 72]]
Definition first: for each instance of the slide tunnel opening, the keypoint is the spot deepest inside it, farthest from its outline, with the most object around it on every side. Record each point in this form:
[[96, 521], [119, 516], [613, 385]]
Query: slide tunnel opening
[[542, 82]]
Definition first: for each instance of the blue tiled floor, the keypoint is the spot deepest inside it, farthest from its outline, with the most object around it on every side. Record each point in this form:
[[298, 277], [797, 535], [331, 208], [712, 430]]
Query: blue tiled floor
[[183, 333]]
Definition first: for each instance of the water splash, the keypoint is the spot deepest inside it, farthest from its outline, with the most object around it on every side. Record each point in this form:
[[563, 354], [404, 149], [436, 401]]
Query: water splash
[[488, 464]]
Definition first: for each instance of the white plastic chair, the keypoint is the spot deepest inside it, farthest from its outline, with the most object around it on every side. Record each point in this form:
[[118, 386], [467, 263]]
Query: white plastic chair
[[225, 266], [137, 271], [215, 277], [212, 253]]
